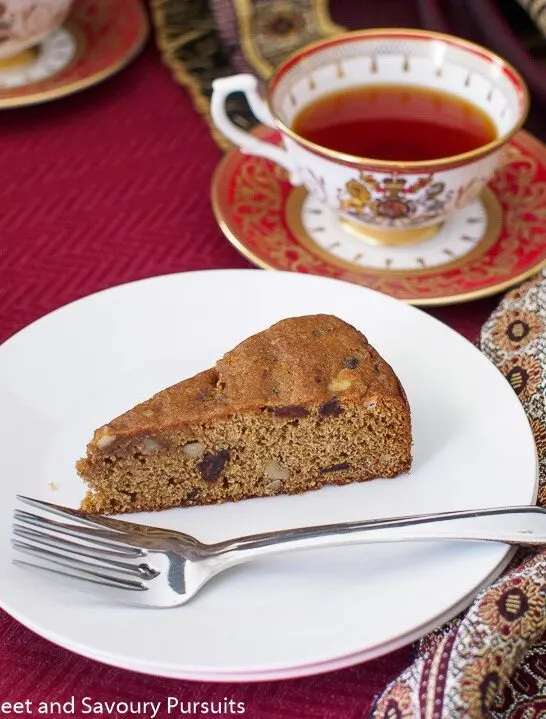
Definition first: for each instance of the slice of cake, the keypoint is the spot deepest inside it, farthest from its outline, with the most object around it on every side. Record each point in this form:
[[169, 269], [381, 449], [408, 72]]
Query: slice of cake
[[305, 403]]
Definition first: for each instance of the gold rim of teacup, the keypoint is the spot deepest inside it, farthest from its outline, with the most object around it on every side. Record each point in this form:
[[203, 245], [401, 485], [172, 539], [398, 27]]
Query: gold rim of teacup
[[417, 165]]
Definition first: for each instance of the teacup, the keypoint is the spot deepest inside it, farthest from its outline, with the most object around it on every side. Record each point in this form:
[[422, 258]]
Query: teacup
[[384, 200], [25, 23]]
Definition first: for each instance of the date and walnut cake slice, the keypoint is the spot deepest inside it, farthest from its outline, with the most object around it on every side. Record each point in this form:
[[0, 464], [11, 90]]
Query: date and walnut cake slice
[[307, 402]]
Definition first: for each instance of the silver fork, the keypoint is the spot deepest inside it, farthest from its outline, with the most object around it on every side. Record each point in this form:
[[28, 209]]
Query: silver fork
[[163, 568]]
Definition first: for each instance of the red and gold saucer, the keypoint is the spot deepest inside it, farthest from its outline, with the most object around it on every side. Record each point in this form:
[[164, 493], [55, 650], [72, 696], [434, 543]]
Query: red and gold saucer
[[490, 245], [97, 40]]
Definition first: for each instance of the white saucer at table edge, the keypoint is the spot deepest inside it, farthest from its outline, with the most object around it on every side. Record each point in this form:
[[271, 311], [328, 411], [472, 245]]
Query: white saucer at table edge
[[53, 54], [289, 616]]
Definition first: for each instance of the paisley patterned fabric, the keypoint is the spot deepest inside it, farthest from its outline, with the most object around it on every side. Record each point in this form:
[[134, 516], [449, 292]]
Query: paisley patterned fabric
[[491, 661]]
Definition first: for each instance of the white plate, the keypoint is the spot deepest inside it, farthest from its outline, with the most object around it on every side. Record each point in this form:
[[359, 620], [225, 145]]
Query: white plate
[[294, 615]]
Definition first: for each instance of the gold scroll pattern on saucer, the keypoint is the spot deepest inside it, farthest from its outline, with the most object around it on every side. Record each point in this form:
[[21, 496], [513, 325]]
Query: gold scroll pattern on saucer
[[259, 205], [523, 197]]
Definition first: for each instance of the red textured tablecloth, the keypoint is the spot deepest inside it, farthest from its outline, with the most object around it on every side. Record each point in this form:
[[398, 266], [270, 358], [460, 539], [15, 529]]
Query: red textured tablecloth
[[108, 186]]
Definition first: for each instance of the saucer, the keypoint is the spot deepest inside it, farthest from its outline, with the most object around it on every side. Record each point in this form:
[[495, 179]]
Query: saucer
[[494, 243], [97, 40]]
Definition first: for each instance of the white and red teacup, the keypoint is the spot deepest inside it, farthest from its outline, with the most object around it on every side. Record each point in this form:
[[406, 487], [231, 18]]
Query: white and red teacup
[[389, 200]]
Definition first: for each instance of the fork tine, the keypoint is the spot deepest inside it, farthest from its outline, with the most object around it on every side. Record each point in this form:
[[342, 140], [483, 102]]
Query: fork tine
[[77, 516], [100, 546], [76, 579], [69, 549], [87, 569], [114, 530], [114, 540]]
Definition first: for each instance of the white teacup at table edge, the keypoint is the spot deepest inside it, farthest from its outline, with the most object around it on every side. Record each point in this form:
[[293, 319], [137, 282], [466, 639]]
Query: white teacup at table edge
[[384, 201]]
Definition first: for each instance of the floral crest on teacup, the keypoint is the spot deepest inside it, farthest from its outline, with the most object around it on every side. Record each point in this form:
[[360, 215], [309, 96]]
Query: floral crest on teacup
[[395, 199]]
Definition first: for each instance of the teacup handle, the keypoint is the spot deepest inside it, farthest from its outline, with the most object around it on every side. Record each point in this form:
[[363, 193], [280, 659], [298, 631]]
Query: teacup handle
[[248, 143]]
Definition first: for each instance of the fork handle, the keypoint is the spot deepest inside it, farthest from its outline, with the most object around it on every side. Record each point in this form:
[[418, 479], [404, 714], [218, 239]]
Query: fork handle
[[524, 526]]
